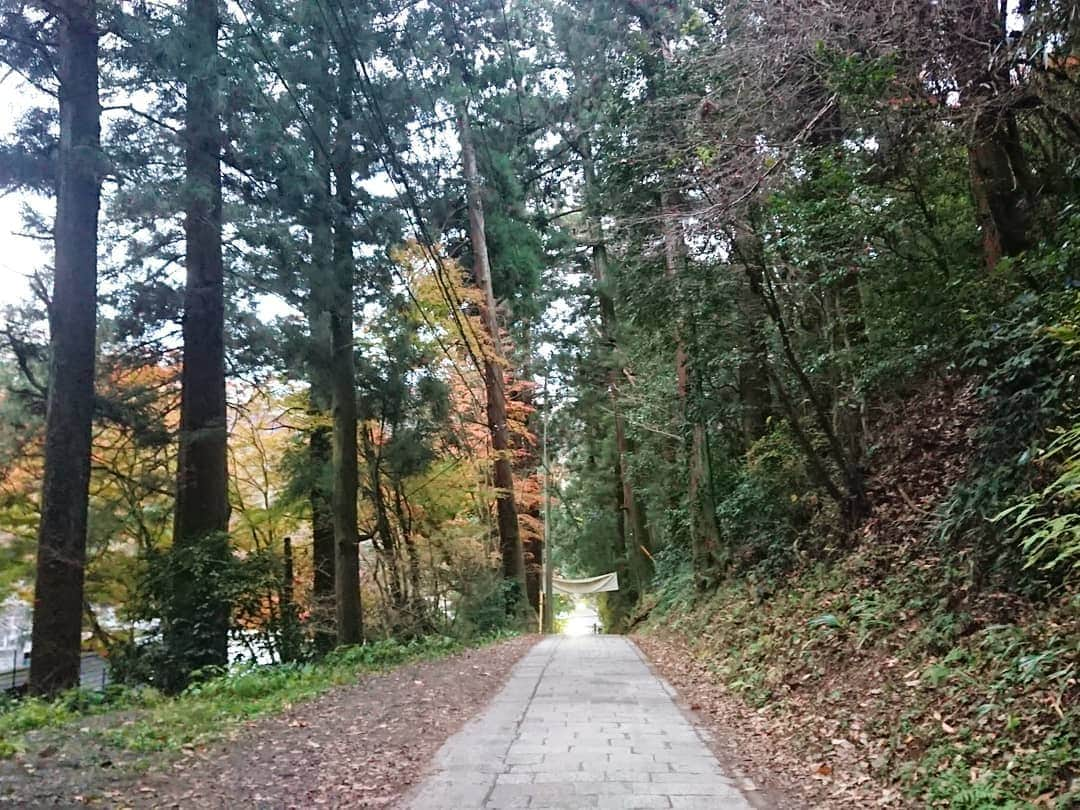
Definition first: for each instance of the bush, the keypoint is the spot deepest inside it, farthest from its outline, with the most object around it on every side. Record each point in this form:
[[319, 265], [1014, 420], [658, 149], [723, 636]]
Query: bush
[[491, 604], [1033, 389], [770, 506]]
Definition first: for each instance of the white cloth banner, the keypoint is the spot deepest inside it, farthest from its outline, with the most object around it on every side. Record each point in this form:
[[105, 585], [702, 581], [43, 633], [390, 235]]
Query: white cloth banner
[[576, 587]]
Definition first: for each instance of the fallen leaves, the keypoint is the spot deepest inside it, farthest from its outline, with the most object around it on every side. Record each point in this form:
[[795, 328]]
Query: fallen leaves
[[817, 761], [360, 746], [357, 746]]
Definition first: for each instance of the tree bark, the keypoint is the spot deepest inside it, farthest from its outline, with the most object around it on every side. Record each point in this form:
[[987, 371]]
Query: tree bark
[[197, 629], [345, 463], [705, 535], [1000, 185], [322, 533], [525, 464], [321, 287], [290, 646], [61, 550], [513, 558], [1004, 190], [635, 539]]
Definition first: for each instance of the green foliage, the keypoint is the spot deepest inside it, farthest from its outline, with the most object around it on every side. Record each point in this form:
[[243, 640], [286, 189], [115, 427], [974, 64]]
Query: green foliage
[[1049, 520], [673, 580], [1031, 387], [196, 591], [490, 605], [856, 78], [1046, 521], [769, 507]]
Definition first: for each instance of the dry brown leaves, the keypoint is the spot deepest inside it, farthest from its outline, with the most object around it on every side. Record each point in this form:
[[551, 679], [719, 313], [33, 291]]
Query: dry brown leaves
[[358, 746], [925, 444], [825, 768]]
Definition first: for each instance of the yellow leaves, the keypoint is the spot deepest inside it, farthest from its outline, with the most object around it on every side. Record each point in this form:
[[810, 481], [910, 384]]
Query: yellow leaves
[[260, 429], [443, 300]]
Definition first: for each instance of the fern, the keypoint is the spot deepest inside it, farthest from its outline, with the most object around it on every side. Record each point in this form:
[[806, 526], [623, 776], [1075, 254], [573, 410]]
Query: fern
[[1049, 521], [975, 797]]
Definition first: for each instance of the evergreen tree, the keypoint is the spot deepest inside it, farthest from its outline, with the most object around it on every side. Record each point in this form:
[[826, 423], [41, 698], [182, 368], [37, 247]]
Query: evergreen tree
[[61, 557], [197, 617]]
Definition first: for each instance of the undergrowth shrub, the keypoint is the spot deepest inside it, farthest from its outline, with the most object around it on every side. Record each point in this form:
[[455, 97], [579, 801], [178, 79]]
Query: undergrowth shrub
[[1047, 522], [488, 603], [1031, 371], [769, 507], [673, 579]]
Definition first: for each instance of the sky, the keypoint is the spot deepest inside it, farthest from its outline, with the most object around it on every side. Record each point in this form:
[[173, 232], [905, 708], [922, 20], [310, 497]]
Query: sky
[[20, 256]]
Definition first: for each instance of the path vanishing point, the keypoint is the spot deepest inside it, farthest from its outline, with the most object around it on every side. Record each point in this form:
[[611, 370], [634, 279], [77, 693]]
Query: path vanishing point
[[582, 722]]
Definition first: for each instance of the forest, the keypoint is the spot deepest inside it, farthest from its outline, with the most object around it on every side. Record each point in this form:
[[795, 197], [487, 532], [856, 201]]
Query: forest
[[352, 314]]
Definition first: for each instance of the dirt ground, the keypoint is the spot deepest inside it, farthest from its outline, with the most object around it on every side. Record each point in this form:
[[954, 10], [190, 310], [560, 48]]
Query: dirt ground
[[357, 746]]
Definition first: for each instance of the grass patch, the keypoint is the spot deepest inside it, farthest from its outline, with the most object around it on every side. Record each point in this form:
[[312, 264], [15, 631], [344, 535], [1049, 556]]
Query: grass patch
[[210, 709]]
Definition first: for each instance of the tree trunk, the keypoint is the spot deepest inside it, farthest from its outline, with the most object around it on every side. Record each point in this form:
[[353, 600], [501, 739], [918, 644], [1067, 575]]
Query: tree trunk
[[61, 551], [1000, 181], [631, 525], [321, 287], [632, 520], [854, 506], [704, 532], [753, 379], [322, 534], [346, 476], [290, 623], [196, 630], [387, 545], [1002, 184], [524, 466], [513, 558], [416, 598]]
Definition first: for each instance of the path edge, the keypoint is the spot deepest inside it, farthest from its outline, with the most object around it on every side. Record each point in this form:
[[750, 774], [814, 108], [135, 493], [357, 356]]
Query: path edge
[[406, 799], [758, 796]]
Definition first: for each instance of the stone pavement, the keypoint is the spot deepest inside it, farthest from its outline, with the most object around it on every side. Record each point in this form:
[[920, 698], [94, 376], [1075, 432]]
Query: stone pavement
[[583, 722]]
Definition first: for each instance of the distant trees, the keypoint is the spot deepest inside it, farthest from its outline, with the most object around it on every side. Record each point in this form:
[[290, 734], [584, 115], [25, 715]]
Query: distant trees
[[797, 199]]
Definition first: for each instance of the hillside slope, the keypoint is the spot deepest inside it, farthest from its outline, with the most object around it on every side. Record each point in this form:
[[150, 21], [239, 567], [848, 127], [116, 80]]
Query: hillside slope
[[884, 676]]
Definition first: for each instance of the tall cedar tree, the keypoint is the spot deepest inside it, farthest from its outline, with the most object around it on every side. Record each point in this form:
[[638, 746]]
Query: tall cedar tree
[[321, 300], [197, 629], [513, 558], [343, 370], [61, 556]]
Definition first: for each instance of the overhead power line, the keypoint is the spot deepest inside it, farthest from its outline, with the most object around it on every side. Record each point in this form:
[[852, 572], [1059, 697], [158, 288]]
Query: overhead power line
[[321, 147]]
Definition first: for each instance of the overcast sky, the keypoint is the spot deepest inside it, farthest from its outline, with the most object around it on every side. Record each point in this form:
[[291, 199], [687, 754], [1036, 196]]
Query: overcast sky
[[20, 256]]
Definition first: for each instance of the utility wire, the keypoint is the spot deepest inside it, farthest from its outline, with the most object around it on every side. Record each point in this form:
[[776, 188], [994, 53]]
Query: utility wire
[[324, 151], [397, 172]]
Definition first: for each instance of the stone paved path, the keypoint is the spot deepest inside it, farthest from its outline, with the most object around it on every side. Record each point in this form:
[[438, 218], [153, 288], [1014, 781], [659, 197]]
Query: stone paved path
[[583, 722]]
